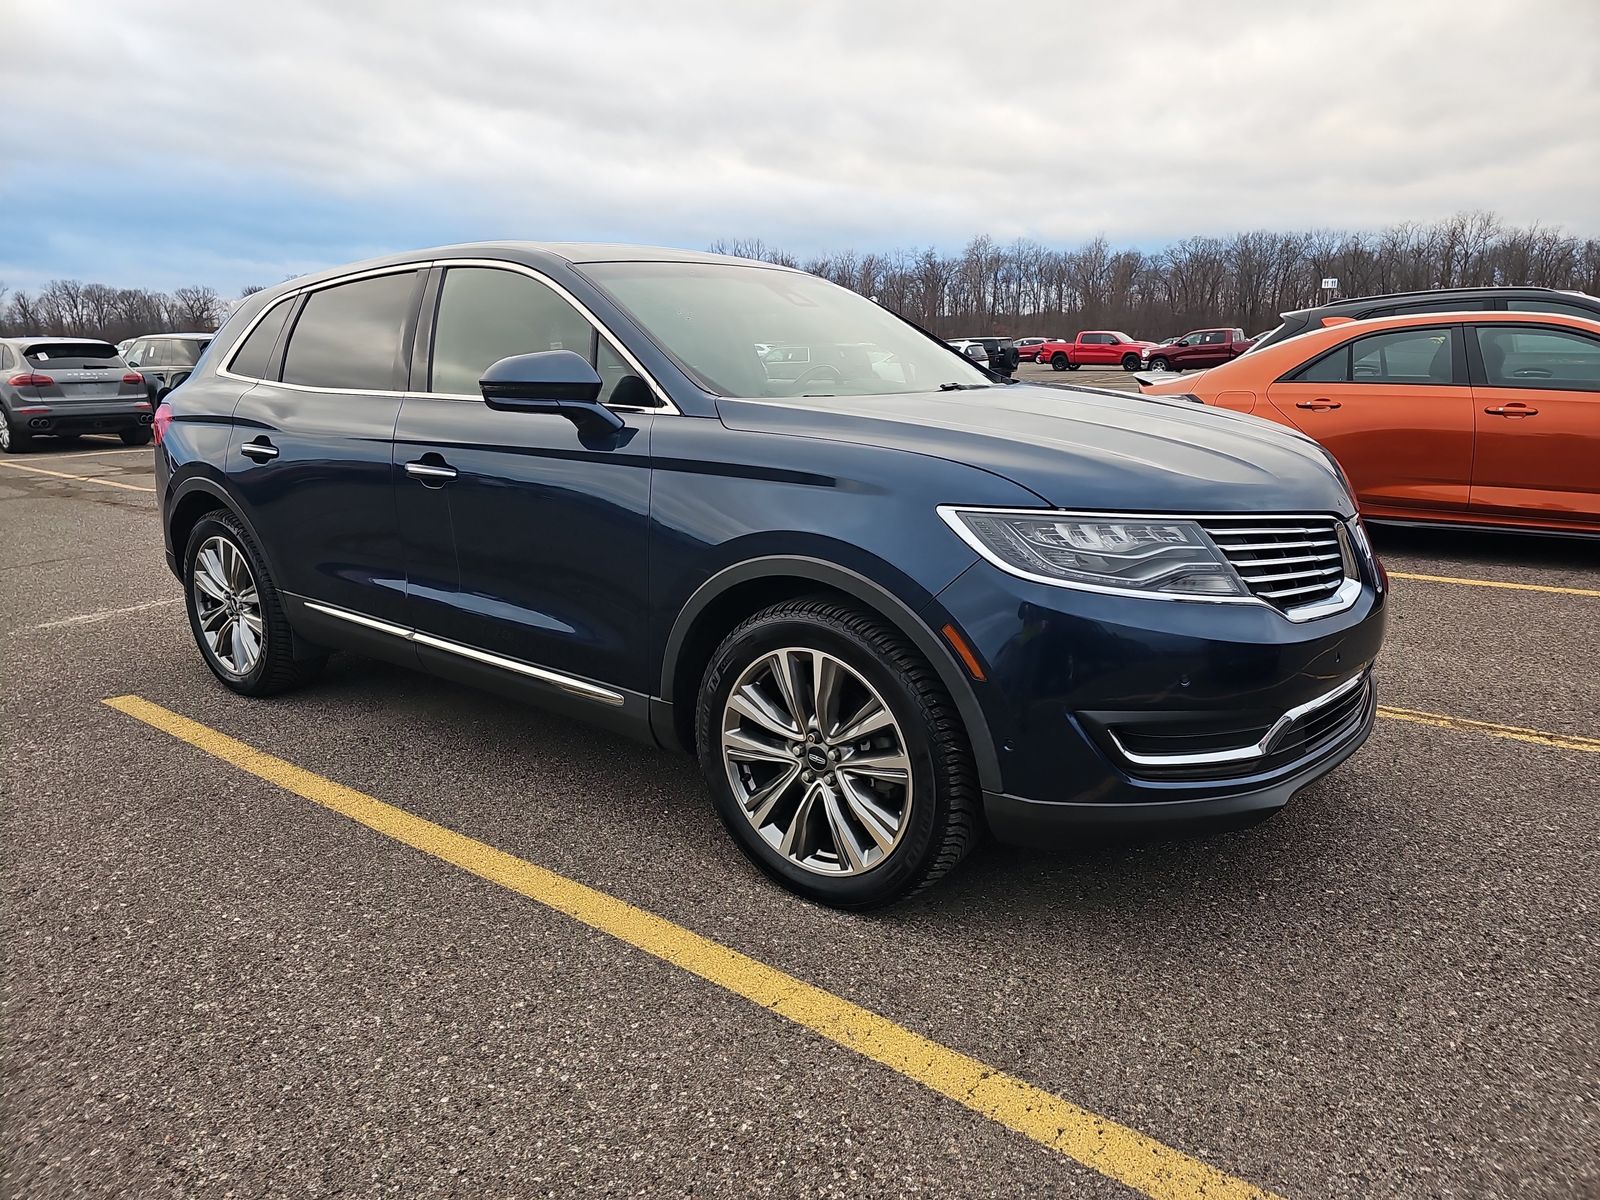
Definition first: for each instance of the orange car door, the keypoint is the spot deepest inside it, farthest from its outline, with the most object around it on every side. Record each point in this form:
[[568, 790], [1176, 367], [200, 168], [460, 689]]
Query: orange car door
[[1537, 397], [1395, 409]]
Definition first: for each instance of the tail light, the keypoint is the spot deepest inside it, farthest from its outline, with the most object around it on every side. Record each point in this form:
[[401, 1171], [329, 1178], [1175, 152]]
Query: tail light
[[162, 420], [30, 380], [133, 377]]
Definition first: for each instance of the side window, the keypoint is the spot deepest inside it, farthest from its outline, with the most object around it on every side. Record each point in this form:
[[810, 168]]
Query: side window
[[487, 314], [6, 360], [252, 358], [348, 335], [181, 352], [155, 354], [1405, 356], [1212, 337], [1332, 367], [135, 354], [1406, 310], [1554, 306], [1515, 356]]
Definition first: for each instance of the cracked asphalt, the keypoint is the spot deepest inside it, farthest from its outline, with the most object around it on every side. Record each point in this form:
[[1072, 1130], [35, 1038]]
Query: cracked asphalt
[[214, 988]]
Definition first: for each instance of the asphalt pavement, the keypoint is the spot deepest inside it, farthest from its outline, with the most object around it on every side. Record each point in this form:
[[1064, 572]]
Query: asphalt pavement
[[220, 985]]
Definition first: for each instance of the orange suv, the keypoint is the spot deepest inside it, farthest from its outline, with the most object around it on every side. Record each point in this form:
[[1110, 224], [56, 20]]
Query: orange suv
[[1478, 418]]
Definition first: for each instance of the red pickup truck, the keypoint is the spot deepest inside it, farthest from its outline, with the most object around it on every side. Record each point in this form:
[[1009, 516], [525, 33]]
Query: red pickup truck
[[1095, 348], [1198, 349]]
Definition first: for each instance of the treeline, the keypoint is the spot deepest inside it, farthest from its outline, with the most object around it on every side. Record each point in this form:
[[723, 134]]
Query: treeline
[[96, 310], [1246, 280]]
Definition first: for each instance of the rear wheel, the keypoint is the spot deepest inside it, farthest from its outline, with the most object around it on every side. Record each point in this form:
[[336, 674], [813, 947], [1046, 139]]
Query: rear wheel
[[1058, 362], [13, 438], [139, 436], [835, 757], [1130, 362], [236, 614]]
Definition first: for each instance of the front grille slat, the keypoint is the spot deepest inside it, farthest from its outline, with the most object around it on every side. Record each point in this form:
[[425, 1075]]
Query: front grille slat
[[1290, 562]]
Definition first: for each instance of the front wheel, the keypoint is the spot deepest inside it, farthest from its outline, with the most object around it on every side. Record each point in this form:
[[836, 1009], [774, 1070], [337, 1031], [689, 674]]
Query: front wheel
[[834, 755], [1130, 362], [236, 614], [1160, 364]]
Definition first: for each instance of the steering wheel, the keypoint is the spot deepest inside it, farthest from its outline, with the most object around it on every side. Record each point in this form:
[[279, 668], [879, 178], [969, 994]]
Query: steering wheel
[[817, 372]]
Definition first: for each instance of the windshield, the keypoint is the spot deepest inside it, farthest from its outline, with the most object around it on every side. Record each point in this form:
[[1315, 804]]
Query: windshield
[[73, 356], [714, 319]]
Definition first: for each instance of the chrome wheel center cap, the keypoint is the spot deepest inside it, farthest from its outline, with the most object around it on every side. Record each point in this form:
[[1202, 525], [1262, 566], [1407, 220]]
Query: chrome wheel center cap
[[817, 758]]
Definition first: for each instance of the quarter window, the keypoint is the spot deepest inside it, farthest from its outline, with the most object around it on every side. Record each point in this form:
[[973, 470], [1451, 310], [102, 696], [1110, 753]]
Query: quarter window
[[348, 336], [254, 356], [1540, 358]]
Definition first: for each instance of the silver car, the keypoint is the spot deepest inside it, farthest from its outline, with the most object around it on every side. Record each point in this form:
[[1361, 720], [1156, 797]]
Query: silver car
[[166, 359], [65, 387]]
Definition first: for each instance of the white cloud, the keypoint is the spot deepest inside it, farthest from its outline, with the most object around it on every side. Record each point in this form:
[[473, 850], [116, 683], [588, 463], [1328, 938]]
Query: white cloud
[[835, 123]]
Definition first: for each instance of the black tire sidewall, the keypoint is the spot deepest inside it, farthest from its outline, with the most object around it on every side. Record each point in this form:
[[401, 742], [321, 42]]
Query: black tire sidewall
[[206, 528], [908, 863]]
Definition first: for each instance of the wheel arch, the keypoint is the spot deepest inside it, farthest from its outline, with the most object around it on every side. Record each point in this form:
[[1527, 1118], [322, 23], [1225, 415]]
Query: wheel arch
[[191, 500], [739, 591]]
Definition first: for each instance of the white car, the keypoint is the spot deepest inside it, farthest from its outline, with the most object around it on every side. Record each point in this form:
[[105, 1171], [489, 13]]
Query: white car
[[976, 351]]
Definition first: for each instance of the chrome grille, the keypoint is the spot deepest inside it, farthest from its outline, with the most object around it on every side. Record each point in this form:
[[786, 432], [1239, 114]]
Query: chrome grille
[[1286, 561]]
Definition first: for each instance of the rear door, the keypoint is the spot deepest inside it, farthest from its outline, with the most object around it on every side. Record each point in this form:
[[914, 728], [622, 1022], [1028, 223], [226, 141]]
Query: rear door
[[312, 450], [1212, 348], [1537, 396], [1395, 409], [525, 535]]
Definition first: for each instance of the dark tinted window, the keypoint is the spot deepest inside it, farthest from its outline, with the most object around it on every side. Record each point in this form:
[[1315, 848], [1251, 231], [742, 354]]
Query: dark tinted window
[[1417, 356], [486, 315], [1566, 308], [6, 361], [1444, 304], [349, 336], [183, 352], [72, 356], [252, 359], [1540, 358]]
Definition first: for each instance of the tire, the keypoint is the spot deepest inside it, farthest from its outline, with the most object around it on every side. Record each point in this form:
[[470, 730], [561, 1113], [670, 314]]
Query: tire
[[1130, 362], [274, 667], [926, 814], [13, 439], [1160, 364], [138, 436], [1072, 366], [1058, 362]]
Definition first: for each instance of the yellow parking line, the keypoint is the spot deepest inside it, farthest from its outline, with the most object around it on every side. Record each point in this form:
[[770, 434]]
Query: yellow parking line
[[1498, 583], [131, 487], [1114, 1150], [1559, 741]]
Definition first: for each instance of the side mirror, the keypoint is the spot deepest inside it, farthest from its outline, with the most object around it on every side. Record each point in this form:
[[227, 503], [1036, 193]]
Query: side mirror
[[557, 382]]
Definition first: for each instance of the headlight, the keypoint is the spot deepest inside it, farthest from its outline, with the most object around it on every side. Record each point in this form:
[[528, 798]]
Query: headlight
[[1151, 557]]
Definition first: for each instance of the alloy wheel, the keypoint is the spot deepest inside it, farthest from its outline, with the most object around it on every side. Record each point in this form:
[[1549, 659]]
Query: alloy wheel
[[817, 762], [227, 605]]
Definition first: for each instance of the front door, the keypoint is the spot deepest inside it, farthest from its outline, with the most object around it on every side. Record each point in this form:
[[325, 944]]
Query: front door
[[311, 456], [1537, 395], [525, 536], [1395, 409]]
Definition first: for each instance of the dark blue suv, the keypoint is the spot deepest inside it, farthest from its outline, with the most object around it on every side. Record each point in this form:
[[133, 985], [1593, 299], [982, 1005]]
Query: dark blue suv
[[887, 599]]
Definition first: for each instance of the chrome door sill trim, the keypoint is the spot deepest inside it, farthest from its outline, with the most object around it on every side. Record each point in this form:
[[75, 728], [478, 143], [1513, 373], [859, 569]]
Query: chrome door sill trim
[[567, 683]]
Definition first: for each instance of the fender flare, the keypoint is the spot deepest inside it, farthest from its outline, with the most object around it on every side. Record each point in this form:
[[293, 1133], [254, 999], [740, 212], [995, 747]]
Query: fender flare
[[204, 483], [870, 593]]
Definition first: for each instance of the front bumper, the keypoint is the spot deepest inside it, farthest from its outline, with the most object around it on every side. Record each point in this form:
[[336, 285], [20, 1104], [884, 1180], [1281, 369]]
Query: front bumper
[[1124, 710]]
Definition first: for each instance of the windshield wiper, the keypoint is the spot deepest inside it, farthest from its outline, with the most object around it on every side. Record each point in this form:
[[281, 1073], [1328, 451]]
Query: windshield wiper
[[961, 387]]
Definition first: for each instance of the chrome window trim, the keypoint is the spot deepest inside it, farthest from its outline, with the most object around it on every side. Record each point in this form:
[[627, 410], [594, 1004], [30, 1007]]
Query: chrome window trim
[[567, 683], [1349, 591], [666, 406], [1258, 749]]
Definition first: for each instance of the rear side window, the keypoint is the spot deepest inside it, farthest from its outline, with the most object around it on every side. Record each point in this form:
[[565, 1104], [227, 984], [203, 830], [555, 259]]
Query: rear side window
[[6, 361], [1413, 356], [183, 352], [253, 357], [1446, 305], [1539, 358], [1554, 306], [348, 336], [72, 356]]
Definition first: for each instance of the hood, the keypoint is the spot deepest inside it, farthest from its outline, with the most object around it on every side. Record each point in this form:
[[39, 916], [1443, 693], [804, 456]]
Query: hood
[[1080, 449]]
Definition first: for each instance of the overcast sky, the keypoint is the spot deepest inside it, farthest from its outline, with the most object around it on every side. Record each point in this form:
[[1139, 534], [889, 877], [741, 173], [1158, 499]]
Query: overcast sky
[[155, 144]]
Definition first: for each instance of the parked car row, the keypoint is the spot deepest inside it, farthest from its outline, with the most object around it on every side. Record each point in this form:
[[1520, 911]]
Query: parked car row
[[65, 387]]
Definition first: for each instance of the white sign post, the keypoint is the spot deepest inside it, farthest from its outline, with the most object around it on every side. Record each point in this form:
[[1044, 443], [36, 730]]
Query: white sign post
[[1330, 285]]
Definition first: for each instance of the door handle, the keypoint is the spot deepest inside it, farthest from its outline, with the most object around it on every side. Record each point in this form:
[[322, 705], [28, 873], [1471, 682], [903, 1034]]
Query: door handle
[[426, 470], [262, 451], [1513, 410], [1317, 405]]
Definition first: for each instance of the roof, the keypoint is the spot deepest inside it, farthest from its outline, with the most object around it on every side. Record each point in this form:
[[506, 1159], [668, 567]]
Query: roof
[[53, 340], [145, 336]]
